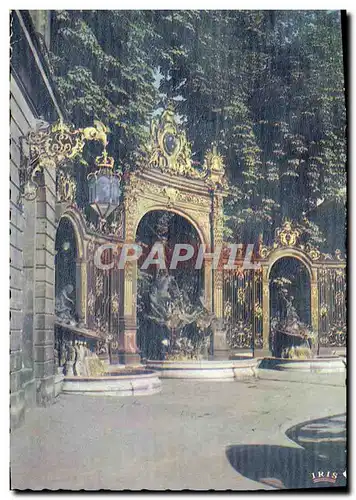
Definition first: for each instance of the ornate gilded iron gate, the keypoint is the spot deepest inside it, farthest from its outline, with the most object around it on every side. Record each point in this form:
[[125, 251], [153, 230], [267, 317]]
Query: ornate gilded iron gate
[[332, 306], [246, 292], [103, 295], [242, 292]]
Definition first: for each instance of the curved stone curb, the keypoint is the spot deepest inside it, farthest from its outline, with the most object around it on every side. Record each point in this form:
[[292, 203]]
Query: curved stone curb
[[204, 370], [58, 384], [315, 365], [336, 379], [122, 385]]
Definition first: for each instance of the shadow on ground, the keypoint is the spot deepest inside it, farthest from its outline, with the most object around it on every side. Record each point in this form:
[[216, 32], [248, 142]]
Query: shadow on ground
[[283, 467], [323, 437]]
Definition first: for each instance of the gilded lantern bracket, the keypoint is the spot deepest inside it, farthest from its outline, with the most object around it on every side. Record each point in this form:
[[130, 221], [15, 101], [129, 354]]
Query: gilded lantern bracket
[[52, 145]]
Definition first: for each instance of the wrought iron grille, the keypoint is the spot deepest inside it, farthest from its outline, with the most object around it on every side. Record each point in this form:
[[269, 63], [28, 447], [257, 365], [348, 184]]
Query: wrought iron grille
[[332, 307], [103, 297], [242, 292]]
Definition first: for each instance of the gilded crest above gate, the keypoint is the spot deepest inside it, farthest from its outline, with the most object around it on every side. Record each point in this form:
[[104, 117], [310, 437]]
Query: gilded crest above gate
[[169, 151], [290, 235]]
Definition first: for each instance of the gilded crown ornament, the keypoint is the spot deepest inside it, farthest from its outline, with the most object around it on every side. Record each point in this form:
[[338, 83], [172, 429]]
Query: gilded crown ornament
[[104, 161]]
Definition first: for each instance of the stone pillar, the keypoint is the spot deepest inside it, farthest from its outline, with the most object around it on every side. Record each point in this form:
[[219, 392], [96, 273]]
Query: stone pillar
[[44, 290], [266, 351], [314, 302], [128, 352], [221, 347], [29, 267], [17, 395], [208, 282]]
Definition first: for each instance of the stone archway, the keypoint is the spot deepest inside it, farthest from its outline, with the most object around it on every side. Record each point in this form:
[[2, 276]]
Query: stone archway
[[166, 228], [166, 180], [66, 246], [288, 244], [202, 208], [76, 223], [289, 279], [274, 257]]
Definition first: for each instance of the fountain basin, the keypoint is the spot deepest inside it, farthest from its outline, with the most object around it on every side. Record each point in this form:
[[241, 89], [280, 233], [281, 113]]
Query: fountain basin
[[116, 383], [226, 370], [331, 364]]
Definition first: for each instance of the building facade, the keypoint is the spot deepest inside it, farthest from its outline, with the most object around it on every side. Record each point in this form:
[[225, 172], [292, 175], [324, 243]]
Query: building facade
[[44, 226], [32, 223]]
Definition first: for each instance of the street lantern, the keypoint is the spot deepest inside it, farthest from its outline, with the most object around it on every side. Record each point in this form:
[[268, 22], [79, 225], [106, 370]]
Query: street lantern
[[104, 187]]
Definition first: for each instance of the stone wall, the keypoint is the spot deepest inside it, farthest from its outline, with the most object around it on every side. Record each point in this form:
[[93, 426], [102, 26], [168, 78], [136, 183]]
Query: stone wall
[[32, 236], [21, 118]]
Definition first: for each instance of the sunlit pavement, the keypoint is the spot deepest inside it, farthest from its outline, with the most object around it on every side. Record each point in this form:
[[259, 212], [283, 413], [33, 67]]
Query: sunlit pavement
[[194, 435]]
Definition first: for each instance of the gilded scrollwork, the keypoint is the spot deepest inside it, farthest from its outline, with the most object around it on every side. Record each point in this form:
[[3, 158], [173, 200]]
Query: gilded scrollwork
[[171, 194], [169, 151], [339, 255], [99, 284], [258, 310], [323, 311], [51, 146], [313, 252], [91, 246], [91, 303], [214, 168], [241, 296], [115, 303], [287, 235], [66, 187]]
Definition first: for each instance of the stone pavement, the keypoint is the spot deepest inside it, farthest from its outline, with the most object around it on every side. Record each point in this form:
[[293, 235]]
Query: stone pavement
[[193, 435]]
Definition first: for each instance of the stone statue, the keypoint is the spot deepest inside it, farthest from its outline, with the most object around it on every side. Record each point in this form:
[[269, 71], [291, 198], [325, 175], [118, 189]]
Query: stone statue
[[65, 305], [172, 308], [291, 338], [62, 353], [291, 312], [78, 367], [56, 360], [71, 359]]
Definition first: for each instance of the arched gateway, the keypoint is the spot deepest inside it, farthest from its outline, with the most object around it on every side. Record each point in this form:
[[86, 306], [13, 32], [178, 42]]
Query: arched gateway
[[167, 180]]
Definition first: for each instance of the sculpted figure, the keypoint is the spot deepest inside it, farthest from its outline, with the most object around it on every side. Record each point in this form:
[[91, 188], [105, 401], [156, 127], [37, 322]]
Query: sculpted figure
[[63, 353], [56, 360], [71, 359], [78, 367], [65, 305]]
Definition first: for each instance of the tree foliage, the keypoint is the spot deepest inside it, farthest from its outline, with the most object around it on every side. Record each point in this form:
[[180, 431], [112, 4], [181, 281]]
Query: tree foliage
[[266, 86]]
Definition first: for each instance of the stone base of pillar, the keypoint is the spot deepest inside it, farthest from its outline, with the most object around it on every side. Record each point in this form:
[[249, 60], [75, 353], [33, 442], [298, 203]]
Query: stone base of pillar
[[17, 409], [221, 354], [128, 353], [221, 347], [45, 391], [129, 358], [263, 353]]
